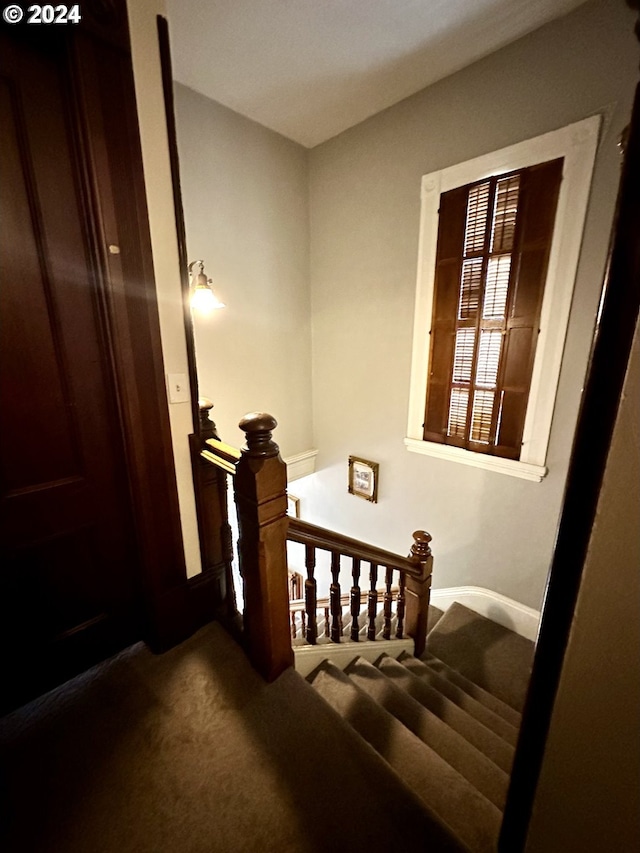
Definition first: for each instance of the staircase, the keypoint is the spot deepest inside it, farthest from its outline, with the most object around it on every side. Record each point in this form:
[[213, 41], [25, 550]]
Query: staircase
[[192, 751], [442, 725], [447, 724]]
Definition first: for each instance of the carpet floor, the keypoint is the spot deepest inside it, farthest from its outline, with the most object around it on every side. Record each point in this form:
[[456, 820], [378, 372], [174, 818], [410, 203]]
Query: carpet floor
[[191, 752]]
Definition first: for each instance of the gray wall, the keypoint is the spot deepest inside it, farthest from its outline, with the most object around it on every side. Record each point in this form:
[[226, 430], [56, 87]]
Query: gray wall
[[245, 195], [257, 204], [489, 529]]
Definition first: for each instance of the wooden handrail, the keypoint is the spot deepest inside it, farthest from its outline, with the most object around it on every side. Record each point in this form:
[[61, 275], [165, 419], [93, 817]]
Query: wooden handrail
[[222, 455], [226, 451], [311, 534]]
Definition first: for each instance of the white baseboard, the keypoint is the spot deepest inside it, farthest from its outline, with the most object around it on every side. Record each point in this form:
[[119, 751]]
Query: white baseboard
[[505, 611], [309, 657], [301, 465]]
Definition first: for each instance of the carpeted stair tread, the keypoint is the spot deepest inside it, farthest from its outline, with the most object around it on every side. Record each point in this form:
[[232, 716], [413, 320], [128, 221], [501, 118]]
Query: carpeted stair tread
[[451, 746], [192, 751], [434, 616], [455, 694], [490, 655], [487, 741], [483, 696], [463, 808]]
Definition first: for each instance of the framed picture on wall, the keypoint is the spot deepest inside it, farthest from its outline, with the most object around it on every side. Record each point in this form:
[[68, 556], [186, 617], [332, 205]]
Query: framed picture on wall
[[293, 506], [363, 478]]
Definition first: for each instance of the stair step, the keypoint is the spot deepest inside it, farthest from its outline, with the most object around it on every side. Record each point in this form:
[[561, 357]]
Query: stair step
[[339, 777], [455, 694], [451, 746], [434, 616], [474, 819], [490, 655], [483, 696], [484, 739]]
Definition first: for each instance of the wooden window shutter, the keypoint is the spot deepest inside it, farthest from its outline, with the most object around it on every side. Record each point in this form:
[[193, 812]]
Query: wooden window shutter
[[453, 212], [540, 186], [494, 239]]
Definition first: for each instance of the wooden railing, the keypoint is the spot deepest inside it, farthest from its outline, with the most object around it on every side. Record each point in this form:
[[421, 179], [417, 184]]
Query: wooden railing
[[260, 482], [414, 583]]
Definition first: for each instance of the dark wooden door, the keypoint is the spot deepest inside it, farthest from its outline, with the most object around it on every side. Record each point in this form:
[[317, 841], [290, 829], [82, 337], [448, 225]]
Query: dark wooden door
[[69, 557]]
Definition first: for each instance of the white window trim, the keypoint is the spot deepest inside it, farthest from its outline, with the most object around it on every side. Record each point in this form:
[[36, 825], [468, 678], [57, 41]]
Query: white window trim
[[577, 144]]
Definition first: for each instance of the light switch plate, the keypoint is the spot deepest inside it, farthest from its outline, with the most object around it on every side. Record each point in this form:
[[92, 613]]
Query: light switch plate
[[178, 384]]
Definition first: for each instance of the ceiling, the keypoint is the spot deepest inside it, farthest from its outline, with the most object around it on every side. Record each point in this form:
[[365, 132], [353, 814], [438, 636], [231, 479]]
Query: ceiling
[[310, 69]]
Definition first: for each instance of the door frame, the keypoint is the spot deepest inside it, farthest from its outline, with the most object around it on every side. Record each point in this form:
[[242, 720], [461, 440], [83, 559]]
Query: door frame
[[105, 128]]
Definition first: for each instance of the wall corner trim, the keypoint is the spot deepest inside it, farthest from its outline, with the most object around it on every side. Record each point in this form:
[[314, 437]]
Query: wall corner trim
[[301, 465]]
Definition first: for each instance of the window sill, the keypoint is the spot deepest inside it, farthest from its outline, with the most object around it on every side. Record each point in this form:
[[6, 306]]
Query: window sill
[[524, 470]]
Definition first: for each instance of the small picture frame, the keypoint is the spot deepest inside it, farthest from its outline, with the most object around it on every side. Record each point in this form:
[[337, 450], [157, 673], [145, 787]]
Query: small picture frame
[[363, 478], [293, 506]]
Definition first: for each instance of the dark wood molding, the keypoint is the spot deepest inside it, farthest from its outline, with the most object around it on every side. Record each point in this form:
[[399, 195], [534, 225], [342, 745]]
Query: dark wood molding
[[209, 483], [601, 397], [206, 591], [172, 138], [102, 76]]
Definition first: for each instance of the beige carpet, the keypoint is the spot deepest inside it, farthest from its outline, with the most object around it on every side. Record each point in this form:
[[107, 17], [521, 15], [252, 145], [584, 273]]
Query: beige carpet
[[191, 751], [484, 652], [448, 729]]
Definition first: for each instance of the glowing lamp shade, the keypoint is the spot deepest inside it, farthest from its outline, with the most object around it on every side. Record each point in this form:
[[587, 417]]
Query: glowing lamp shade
[[203, 299]]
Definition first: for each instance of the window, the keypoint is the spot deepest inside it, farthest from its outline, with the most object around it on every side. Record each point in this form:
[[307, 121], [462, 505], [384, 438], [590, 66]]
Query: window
[[498, 257], [494, 238]]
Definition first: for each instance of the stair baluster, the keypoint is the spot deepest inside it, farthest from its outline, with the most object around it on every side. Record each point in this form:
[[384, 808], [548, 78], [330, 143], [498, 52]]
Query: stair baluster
[[373, 602], [400, 607], [355, 600], [388, 601], [311, 595], [293, 625], [326, 622], [334, 598]]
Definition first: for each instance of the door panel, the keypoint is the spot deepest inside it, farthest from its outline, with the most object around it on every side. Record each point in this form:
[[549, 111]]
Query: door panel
[[69, 554]]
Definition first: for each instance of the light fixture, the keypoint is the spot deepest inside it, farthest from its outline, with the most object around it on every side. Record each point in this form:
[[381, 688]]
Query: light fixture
[[203, 299]]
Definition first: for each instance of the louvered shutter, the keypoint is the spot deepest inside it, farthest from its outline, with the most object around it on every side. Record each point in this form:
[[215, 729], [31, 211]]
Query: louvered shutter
[[492, 254], [540, 186], [453, 211]]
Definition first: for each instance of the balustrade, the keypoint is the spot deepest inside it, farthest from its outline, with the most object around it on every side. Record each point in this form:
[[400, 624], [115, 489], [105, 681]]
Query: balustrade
[[274, 610], [410, 597]]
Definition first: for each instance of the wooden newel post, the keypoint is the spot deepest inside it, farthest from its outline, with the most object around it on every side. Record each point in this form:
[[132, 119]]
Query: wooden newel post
[[261, 496], [418, 590]]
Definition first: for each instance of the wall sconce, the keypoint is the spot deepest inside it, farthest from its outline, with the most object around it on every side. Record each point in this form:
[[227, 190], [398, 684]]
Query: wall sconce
[[203, 299]]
